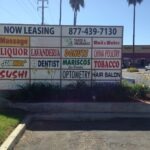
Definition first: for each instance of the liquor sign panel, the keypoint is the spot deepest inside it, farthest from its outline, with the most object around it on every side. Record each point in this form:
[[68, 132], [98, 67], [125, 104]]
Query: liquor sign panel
[[10, 52], [59, 54]]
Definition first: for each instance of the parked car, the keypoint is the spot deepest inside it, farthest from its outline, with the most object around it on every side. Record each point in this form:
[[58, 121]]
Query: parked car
[[147, 67]]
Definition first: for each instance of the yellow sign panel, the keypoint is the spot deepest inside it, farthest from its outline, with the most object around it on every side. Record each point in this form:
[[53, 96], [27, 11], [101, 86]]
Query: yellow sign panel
[[20, 41]]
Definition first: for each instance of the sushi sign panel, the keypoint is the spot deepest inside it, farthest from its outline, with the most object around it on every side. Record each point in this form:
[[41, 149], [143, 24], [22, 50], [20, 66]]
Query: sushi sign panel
[[59, 54]]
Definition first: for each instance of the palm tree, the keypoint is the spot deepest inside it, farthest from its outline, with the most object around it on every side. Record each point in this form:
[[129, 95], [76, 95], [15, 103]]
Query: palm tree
[[75, 4], [134, 2]]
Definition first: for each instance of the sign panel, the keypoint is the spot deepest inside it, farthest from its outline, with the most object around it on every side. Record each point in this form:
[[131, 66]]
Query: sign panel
[[106, 64], [45, 42], [76, 53], [12, 74], [92, 31], [45, 52], [45, 63], [46, 74], [15, 52], [106, 75], [106, 53], [76, 63], [14, 41], [107, 42], [59, 54], [14, 63], [76, 42], [76, 74], [29, 30]]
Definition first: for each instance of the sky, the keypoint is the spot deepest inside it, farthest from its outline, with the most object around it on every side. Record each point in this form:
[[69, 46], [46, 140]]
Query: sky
[[95, 12]]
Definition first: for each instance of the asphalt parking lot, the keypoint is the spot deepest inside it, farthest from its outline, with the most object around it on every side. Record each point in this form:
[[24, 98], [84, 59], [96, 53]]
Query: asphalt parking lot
[[141, 77], [105, 134]]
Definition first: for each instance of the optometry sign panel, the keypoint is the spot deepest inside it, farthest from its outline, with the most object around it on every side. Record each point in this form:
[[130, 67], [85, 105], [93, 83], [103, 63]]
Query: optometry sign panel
[[59, 54]]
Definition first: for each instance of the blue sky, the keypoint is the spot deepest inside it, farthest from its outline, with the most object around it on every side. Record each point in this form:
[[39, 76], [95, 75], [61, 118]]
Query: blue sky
[[96, 12]]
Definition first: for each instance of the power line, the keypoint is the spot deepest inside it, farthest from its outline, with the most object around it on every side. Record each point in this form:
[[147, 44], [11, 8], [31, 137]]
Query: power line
[[25, 9], [9, 12], [33, 8]]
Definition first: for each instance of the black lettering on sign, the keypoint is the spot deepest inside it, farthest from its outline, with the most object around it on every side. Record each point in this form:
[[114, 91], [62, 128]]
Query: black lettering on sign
[[12, 29]]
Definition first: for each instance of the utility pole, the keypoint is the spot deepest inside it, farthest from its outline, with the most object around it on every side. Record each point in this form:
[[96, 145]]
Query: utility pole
[[42, 7]]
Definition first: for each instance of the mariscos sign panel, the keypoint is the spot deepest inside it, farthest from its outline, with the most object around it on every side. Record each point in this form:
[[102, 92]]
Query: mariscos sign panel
[[59, 54]]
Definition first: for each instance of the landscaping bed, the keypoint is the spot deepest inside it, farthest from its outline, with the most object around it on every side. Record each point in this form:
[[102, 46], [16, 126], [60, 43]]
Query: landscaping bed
[[79, 92]]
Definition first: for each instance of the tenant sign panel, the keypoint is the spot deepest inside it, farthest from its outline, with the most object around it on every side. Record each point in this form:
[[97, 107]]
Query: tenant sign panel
[[59, 54]]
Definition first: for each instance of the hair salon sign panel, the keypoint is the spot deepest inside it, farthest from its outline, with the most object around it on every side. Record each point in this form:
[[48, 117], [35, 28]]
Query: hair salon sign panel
[[59, 54]]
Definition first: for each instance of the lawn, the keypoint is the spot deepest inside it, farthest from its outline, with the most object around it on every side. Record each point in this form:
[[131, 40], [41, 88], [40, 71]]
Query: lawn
[[9, 119]]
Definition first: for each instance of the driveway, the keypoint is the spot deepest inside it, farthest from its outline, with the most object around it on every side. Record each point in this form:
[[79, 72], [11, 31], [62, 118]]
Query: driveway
[[106, 134]]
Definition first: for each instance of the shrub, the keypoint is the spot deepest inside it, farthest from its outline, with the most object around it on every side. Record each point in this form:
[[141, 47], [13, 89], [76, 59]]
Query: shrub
[[34, 92], [139, 91], [132, 69], [79, 92]]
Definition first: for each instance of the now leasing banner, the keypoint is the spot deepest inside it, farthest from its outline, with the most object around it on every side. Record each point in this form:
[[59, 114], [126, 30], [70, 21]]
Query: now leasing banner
[[59, 54]]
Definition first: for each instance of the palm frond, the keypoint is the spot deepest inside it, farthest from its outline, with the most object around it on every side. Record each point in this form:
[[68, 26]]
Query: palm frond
[[134, 2]]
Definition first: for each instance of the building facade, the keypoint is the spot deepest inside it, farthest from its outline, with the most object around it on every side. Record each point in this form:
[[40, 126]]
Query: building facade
[[141, 55]]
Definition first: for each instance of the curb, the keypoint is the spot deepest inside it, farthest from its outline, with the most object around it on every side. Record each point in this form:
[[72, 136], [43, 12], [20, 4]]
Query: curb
[[16, 134], [82, 116]]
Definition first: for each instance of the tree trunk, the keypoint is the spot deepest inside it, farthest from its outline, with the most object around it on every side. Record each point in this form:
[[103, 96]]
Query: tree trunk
[[75, 17], [134, 12], [74, 22], [60, 12]]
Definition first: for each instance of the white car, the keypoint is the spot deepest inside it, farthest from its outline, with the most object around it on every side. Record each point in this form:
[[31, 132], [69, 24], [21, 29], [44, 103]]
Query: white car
[[147, 67]]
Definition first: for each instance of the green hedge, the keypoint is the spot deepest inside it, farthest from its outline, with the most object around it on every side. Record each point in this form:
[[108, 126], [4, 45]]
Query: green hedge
[[79, 92]]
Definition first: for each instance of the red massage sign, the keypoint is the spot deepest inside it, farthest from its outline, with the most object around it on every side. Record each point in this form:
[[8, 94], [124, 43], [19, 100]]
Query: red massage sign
[[59, 54]]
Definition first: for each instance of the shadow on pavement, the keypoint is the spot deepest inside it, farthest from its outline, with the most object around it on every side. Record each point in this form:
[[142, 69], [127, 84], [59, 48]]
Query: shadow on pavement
[[117, 124]]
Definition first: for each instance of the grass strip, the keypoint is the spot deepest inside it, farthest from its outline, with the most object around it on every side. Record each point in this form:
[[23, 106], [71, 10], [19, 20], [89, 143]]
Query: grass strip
[[9, 119]]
